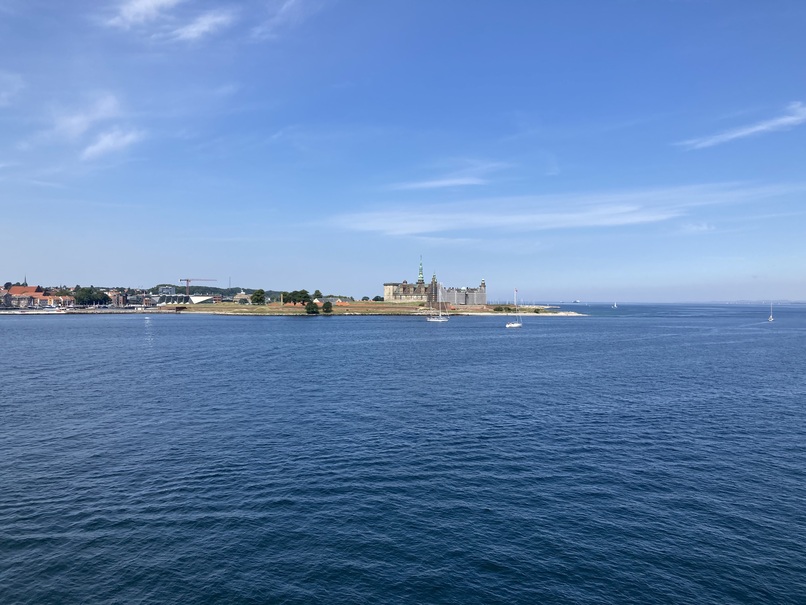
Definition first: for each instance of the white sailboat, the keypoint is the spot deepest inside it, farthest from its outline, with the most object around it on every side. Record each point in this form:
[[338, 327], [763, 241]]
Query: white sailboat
[[615, 306], [438, 316], [770, 318], [516, 321]]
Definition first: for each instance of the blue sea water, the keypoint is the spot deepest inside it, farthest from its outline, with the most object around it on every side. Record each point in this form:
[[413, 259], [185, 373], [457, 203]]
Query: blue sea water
[[645, 454]]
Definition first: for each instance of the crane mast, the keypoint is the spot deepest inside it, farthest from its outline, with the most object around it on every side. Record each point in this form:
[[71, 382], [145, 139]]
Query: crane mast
[[187, 281]]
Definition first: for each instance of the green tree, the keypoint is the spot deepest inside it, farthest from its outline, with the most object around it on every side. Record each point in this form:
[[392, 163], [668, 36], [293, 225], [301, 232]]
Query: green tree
[[259, 297], [365, 298], [297, 296], [378, 299], [6, 285], [327, 307], [311, 308], [91, 296], [317, 294]]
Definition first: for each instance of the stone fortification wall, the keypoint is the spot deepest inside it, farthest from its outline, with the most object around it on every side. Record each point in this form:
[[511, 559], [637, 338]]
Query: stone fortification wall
[[404, 292], [465, 296]]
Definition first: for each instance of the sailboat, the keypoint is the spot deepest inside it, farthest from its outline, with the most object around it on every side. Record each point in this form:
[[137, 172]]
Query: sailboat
[[615, 306], [438, 316], [770, 318], [516, 321]]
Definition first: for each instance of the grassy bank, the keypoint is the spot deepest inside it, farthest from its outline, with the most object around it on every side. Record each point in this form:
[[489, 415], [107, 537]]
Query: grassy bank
[[353, 308]]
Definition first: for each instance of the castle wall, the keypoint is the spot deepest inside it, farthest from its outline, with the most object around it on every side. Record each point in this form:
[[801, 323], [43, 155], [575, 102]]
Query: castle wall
[[405, 292]]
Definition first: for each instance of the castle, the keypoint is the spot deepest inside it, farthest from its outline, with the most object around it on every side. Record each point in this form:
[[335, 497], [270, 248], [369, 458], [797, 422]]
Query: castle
[[433, 292]]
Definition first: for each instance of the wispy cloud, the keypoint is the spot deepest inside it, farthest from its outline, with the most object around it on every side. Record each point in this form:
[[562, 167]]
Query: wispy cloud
[[109, 141], [73, 125], [510, 215], [135, 12], [472, 173], [227, 90], [440, 183], [205, 24], [552, 167], [10, 86], [542, 213], [285, 14], [696, 228], [795, 115]]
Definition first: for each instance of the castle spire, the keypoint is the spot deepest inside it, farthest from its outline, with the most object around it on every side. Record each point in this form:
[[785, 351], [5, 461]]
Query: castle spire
[[420, 278]]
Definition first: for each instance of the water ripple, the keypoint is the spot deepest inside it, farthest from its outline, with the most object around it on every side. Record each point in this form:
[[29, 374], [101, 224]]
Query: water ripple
[[653, 458]]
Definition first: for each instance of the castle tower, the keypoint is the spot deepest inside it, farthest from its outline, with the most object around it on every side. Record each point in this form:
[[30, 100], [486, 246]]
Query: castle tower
[[420, 278]]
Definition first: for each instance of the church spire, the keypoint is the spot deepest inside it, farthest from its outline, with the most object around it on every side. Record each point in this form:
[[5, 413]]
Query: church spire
[[420, 278]]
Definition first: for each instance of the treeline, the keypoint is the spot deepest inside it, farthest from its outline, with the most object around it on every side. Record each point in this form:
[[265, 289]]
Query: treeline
[[304, 296], [293, 296], [94, 295], [211, 290], [90, 296]]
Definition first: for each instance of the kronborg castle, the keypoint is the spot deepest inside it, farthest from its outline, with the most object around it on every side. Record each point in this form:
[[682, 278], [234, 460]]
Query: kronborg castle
[[433, 292]]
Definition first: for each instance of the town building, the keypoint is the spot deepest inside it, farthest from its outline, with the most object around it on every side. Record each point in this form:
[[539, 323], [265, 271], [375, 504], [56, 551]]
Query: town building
[[32, 297]]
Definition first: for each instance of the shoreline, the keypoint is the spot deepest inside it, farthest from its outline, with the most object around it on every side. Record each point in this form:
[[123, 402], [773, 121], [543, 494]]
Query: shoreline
[[275, 313]]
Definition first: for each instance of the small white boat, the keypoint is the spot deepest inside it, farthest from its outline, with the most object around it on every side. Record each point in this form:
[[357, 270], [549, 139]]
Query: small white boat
[[516, 321], [770, 318], [615, 306], [438, 316]]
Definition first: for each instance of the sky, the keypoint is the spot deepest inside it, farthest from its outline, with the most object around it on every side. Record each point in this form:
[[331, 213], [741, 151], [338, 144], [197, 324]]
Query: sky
[[599, 150]]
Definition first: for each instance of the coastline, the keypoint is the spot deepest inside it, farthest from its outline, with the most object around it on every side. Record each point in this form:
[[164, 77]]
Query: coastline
[[274, 310]]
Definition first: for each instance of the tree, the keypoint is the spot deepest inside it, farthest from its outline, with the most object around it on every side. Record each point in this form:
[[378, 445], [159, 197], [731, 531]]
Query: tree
[[259, 297], [317, 294], [6, 285], [91, 296], [378, 299], [297, 296], [327, 307], [311, 308], [365, 298]]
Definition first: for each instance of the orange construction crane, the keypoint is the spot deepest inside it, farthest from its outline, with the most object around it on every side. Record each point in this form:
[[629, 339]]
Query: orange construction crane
[[187, 281]]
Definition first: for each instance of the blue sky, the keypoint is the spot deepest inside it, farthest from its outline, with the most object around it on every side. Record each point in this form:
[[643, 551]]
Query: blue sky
[[598, 150]]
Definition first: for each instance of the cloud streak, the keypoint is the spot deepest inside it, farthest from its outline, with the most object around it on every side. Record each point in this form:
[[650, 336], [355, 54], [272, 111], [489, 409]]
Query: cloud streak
[[10, 86], [135, 12], [109, 141], [472, 175], [796, 115], [439, 183], [544, 213], [205, 24], [286, 14], [73, 125]]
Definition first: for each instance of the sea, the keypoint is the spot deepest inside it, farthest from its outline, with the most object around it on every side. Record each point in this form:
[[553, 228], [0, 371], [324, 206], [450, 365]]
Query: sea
[[644, 454]]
